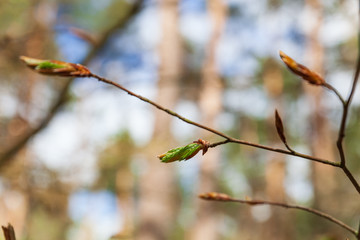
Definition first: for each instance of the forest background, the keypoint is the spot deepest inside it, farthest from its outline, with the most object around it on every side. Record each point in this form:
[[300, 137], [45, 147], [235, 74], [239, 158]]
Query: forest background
[[78, 157]]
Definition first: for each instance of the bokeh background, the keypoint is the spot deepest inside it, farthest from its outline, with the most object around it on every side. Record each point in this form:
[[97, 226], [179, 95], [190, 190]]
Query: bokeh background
[[78, 157]]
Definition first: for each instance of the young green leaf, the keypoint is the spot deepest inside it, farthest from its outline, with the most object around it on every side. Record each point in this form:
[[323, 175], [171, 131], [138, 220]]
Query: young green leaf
[[186, 152], [31, 62], [181, 153], [48, 65]]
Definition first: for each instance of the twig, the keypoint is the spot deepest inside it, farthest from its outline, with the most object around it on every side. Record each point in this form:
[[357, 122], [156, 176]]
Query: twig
[[341, 134], [160, 107], [215, 144], [9, 151], [278, 150], [225, 198], [9, 232], [331, 88], [228, 138], [350, 177]]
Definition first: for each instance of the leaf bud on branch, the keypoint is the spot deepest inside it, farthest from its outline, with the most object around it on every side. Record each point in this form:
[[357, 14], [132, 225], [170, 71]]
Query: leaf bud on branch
[[56, 68], [280, 130], [185, 152], [302, 71], [215, 196]]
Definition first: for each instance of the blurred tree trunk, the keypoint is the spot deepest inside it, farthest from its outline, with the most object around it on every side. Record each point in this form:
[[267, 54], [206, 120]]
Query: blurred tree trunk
[[321, 140], [48, 212], [114, 166], [279, 225], [31, 206], [207, 222], [157, 203]]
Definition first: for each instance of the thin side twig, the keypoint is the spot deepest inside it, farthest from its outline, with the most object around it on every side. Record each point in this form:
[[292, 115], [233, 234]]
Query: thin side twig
[[331, 88], [220, 197], [278, 150], [350, 177]]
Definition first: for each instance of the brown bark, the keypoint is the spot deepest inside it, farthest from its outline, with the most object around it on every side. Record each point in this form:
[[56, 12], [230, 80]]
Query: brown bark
[[207, 222], [321, 139], [157, 206], [278, 226]]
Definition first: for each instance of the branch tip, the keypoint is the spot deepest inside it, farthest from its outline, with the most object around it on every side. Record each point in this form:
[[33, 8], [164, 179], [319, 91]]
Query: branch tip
[[301, 70], [56, 68], [214, 196]]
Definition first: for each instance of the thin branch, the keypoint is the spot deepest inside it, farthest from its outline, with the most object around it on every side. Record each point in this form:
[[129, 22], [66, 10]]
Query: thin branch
[[225, 198], [8, 152], [289, 148], [292, 153], [351, 177], [346, 108], [331, 88], [278, 150], [228, 138], [215, 144], [341, 134]]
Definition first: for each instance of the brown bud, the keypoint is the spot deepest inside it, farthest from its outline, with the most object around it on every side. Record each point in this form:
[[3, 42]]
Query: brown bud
[[56, 68], [279, 127], [302, 71], [215, 196], [9, 232], [204, 143]]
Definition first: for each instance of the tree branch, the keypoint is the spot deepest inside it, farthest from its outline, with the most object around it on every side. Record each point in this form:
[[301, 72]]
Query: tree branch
[[228, 138], [62, 98], [220, 197], [331, 88], [341, 134]]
